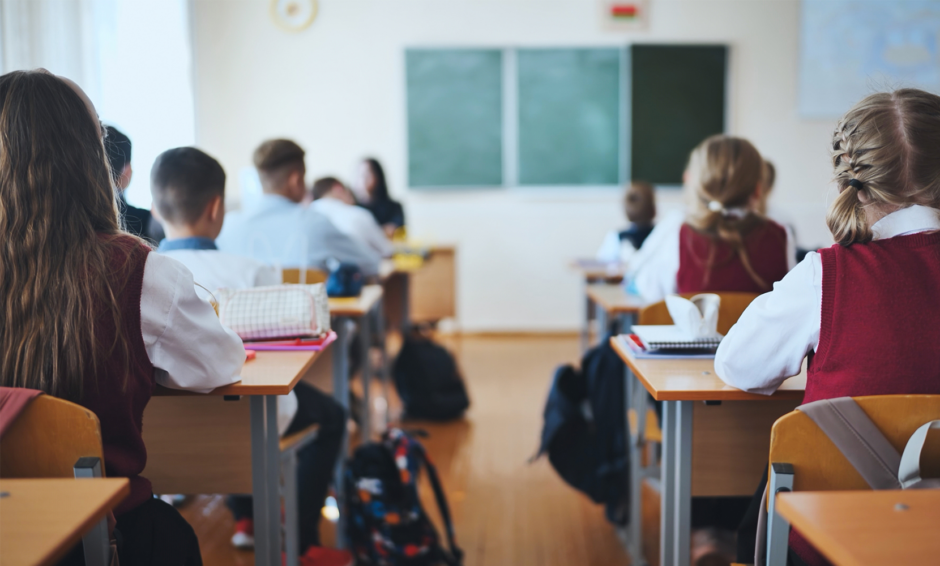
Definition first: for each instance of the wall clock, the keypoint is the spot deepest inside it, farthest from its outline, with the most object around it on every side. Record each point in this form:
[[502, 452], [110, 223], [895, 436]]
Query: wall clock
[[294, 15]]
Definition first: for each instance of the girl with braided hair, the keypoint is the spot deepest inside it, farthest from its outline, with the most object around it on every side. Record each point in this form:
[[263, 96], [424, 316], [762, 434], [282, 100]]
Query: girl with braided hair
[[865, 310]]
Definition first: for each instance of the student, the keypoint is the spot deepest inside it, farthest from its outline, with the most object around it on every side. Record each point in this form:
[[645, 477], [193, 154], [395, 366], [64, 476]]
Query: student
[[279, 230], [188, 188], [89, 314], [137, 221], [723, 244], [372, 192], [332, 199], [640, 208], [864, 310]]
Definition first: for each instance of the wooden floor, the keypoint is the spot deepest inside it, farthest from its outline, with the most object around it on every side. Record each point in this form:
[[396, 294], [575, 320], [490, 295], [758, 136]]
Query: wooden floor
[[506, 511]]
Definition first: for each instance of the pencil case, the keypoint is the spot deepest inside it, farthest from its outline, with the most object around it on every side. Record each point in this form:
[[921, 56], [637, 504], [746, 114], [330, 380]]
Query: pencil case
[[276, 311]]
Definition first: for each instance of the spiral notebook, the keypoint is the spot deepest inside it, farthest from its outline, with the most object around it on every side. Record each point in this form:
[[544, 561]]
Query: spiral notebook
[[670, 337]]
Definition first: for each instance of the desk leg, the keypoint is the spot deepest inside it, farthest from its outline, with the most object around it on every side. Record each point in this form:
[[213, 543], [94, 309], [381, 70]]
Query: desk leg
[[667, 545], [600, 316], [383, 371], [365, 371], [341, 393], [265, 471], [677, 483], [405, 304], [635, 398], [586, 320]]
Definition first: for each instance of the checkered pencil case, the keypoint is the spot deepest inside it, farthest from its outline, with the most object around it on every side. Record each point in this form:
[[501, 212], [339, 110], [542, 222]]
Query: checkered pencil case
[[277, 311]]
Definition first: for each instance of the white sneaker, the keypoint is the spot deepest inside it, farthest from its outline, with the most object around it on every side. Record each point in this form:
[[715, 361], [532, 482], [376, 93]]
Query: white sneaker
[[243, 541]]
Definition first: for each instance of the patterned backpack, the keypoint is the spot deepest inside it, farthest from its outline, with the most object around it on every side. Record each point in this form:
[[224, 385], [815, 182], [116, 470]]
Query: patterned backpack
[[386, 525]]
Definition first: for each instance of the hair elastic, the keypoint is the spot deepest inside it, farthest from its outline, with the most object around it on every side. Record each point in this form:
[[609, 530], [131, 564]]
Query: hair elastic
[[856, 184]]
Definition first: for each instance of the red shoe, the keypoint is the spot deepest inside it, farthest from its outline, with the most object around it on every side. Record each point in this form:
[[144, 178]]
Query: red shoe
[[244, 537], [323, 556]]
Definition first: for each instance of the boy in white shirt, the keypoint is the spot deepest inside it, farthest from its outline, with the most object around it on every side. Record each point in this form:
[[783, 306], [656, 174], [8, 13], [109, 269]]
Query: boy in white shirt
[[332, 199], [188, 188]]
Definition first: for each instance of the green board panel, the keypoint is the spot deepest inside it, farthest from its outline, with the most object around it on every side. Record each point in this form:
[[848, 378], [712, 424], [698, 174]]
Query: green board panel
[[569, 116], [455, 125], [678, 100]]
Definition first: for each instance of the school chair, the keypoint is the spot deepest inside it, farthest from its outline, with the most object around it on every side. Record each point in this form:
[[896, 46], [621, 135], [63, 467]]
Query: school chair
[[54, 438], [803, 458], [730, 310], [295, 276]]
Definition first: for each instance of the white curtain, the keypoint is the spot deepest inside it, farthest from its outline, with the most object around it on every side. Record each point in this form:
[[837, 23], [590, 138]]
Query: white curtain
[[132, 57]]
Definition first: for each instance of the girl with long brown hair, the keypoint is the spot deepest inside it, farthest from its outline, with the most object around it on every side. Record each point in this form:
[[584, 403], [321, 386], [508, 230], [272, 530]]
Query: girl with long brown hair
[[86, 312], [723, 243]]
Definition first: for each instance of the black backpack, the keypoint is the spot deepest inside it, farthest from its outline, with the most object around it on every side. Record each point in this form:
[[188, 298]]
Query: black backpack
[[386, 525], [585, 431], [428, 381]]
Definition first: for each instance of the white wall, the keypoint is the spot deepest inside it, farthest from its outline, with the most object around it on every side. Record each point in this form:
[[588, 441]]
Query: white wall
[[338, 89]]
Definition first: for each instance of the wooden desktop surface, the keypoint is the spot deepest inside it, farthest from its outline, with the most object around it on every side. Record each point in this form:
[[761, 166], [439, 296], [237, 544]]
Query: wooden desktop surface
[[41, 519], [270, 373], [613, 299], [356, 306], [696, 380], [594, 270], [865, 528]]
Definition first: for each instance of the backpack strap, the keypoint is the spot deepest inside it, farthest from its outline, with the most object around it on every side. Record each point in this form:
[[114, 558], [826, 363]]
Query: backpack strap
[[859, 440], [456, 557], [909, 471]]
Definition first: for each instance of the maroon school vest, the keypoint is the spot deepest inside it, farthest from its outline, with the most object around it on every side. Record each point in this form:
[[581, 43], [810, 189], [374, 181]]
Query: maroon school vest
[[121, 410], [879, 331], [766, 247]]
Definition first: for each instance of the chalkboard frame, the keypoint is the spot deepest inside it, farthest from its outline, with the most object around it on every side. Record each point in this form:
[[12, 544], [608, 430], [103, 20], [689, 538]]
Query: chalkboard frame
[[510, 116]]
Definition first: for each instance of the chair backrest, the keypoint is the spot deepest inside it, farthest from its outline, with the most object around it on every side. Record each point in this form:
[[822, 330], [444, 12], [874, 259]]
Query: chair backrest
[[292, 276], [48, 438], [732, 305], [819, 466]]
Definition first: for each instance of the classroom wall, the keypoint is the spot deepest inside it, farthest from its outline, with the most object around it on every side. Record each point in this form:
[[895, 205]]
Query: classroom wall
[[338, 89]]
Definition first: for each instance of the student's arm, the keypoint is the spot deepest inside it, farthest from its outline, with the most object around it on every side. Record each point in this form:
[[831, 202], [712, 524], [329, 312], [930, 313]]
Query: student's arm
[[610, 248], [372, 233], [326, 241], [775, 333], [185, 341]]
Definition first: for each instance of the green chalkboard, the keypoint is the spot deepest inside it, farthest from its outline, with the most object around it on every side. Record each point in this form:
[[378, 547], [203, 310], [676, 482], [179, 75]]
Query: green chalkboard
[[569, 116], [678, 100], [455, 124]]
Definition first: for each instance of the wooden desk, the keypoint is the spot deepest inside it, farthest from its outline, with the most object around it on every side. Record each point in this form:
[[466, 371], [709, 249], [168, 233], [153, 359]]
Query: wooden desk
[[223, 443], [42, 519], [725, 456], [356, 312], [865, 528], [609, 301], [593, 271]]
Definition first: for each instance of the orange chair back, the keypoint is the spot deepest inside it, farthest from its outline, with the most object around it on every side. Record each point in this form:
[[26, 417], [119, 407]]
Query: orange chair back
[[732, 305]]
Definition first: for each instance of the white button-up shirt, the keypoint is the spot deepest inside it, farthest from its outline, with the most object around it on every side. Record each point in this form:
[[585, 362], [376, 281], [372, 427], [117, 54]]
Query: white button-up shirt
[[356, 222], [187, 345], [780, 328]]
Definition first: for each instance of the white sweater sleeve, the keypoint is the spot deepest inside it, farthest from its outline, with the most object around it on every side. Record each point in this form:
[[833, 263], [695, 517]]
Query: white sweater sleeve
[[775, 333], [187, 345]]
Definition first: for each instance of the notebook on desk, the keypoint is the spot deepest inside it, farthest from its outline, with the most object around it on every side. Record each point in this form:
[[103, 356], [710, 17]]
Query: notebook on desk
[[670, 337], [639, 351]]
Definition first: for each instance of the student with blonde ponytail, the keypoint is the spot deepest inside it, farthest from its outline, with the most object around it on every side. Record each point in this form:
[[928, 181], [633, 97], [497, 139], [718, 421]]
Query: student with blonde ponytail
[[724, 244], [865, 310]]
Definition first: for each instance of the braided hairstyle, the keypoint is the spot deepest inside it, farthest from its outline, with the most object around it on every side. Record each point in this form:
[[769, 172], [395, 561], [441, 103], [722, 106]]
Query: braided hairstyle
[[887, 146], [722, 177]]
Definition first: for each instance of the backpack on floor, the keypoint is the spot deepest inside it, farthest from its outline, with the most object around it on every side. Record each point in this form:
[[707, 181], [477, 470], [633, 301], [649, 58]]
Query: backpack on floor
[[585, 429], [428, 381], [386, 525]]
